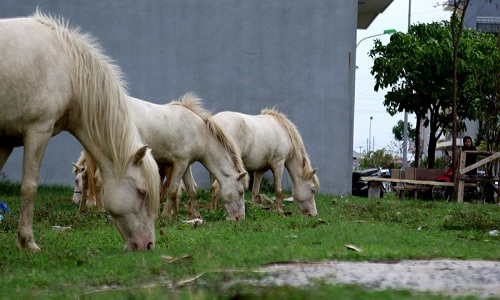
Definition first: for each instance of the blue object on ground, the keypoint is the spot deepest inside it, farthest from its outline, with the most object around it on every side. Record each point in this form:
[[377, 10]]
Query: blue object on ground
[[3, 208]]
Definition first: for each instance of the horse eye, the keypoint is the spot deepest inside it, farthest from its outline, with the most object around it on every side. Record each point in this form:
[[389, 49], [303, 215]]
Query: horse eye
[[141, 193]]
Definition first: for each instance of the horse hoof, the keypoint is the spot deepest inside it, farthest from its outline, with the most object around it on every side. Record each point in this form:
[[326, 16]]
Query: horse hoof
[[30, 246]]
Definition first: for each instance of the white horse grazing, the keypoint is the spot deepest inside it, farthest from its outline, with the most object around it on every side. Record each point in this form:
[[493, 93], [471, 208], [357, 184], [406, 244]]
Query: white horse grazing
[[182, 132], [53, 78], [271, 141], [88, 182]]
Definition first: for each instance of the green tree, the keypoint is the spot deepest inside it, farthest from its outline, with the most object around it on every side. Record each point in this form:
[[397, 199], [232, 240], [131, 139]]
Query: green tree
[[378, 159], [398, 131], [418, 68], [485, 86]]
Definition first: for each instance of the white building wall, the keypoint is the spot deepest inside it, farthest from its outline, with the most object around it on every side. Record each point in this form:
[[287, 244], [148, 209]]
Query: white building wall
[[297, 56]]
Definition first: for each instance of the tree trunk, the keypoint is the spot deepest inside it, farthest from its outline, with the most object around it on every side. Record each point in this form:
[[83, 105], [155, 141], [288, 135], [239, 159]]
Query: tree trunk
[[417, 142], [456, 42], [431, 150]]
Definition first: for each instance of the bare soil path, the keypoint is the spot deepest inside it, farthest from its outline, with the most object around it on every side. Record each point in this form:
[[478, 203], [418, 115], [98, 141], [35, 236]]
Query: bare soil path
[[449, 277]]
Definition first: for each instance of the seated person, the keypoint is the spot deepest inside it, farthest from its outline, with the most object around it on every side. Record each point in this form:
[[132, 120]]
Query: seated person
[[470, 158]]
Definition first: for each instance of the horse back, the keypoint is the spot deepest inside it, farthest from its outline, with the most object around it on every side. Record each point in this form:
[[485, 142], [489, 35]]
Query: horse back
[[34, 80], [261, 139]]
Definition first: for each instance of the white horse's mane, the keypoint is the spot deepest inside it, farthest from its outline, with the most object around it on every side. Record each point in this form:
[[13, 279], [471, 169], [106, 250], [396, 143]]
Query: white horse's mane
[[99, 87], [192, 102], [295, 138]]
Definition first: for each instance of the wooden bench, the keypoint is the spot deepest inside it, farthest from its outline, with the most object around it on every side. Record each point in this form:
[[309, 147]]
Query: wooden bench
[[417, 175], [411, 188], [405, 185]]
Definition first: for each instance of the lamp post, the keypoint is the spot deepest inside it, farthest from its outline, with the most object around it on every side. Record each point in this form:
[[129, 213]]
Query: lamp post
[[370, 135], [387, 31]]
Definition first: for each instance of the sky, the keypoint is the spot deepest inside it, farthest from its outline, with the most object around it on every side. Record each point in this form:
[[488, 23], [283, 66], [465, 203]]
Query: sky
[[368, 102]]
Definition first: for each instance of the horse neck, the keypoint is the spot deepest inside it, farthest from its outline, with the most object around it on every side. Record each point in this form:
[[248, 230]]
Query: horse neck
[[295, 167], [218, 160], [102, 157], [222, 157]]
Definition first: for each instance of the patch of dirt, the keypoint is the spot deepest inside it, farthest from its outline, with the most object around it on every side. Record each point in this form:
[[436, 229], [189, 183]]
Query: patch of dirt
[[449, 277]]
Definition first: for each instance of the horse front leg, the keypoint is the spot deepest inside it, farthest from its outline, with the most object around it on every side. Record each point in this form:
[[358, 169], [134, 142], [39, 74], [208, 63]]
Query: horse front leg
[[214, 193], [172, 204], [191, 189], [35, 145], [257, 181], [278, 175], [165, 174]]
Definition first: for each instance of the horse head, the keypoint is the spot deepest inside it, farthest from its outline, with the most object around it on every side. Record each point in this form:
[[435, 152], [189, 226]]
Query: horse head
[[233, 196], [129, 202], [78, 171], [304, 193]]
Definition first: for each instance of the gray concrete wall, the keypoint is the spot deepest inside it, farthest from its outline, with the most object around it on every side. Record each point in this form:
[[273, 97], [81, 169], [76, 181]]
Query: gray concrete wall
[[297, 56]]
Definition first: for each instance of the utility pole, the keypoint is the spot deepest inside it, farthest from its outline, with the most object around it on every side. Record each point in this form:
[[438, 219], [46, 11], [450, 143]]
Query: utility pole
[[405, 124]]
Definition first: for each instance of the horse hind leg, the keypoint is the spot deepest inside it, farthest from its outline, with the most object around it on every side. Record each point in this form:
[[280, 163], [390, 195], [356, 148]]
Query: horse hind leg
[[257, 181], [35, 145], [278, 175], [191, 189]]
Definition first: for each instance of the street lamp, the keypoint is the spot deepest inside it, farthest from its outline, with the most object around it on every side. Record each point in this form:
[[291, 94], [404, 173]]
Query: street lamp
[[370, 135], [387, 31]]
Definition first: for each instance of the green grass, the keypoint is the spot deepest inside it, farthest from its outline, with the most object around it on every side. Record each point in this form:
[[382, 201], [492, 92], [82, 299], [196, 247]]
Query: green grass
[[88, 261]]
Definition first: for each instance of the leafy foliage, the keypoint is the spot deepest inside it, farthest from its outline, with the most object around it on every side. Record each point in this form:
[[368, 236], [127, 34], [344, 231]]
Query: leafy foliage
[[378, 159], [399, 129], [418, 69], [484, 85], [440, 163]]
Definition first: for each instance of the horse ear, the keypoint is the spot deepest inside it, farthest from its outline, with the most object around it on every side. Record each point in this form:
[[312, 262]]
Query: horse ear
[[314, 171], [246, 179], [242, 175], [139, 155], [75, 165]]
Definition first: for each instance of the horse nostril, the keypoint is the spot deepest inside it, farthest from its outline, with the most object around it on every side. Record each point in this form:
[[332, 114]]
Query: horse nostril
[[129, 247], [150, 246]]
